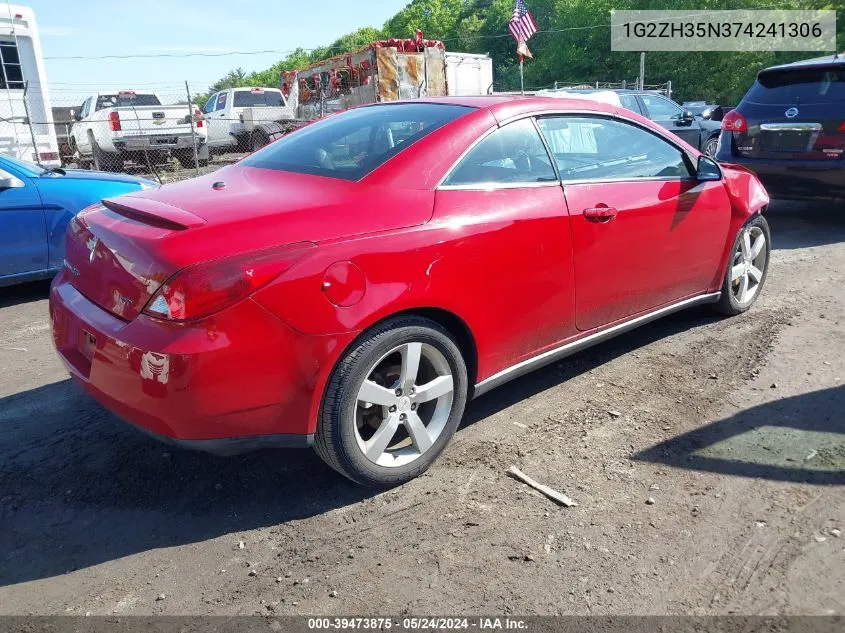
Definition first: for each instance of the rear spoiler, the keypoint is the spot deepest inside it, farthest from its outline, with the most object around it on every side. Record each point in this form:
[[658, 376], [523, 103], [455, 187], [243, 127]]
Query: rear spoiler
[[153, 213], [823, 64]]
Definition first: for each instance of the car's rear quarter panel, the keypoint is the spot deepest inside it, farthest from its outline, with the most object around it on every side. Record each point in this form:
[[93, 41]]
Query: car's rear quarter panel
[[502, 268]]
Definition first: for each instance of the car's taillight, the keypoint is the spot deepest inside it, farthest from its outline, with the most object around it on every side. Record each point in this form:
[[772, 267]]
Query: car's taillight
[[114, 121], [198, 117], [203, 289], [734, 122]]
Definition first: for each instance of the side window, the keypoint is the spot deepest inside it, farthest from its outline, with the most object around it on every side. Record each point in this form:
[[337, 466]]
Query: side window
[[221, 100], [596, 148], [209, 105], [661, 109], [86, 107], [513, 154], [629, 102]]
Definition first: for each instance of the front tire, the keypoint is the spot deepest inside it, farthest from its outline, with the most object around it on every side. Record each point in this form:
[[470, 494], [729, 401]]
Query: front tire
[[747, 268], [392, 403]]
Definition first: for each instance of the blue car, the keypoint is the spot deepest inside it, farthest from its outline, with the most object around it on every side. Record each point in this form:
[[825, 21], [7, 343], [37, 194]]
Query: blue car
[[36, 205]]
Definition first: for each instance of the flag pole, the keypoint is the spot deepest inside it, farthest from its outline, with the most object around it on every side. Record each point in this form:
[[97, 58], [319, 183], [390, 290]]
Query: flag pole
[[521, 75]]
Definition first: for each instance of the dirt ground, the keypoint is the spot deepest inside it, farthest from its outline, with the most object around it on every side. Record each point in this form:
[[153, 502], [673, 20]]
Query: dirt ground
[[707, 455]]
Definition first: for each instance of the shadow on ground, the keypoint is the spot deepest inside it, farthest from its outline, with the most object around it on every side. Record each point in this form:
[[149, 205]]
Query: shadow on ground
[[24, 293], [805, 224], [78, 487], [799, 439]]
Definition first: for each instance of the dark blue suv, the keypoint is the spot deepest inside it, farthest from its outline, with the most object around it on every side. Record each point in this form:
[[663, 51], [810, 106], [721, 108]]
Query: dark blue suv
[[790, 130]]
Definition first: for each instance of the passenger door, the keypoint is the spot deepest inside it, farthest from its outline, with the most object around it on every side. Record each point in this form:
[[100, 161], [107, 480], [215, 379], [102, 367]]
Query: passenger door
[[670, 115], [214, 130], [80, 128], [23, 231], [510, 221], [218, 121], [645, 231]]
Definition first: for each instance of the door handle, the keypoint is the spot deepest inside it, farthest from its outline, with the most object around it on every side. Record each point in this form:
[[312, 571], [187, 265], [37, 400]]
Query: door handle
[[600, 214]]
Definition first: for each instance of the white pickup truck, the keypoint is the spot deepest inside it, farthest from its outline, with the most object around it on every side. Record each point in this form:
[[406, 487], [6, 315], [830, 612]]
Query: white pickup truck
[[232, 114], [116, 126]]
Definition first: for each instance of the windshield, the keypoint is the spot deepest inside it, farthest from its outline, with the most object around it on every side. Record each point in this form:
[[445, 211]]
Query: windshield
[[31, 169], [126, 101], [351, 144], [794, 87], [254, 99]]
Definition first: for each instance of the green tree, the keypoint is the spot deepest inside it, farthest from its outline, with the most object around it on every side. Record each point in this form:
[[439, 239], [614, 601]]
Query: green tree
[[573, 45]]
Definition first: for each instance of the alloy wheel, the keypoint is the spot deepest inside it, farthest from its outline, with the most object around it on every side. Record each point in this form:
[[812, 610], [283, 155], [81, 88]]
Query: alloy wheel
[[749, 262], [403, 404]]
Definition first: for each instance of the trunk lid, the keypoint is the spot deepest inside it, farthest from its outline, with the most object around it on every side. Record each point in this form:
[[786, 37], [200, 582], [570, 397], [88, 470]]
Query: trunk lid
[[115, 254], [120, 254]]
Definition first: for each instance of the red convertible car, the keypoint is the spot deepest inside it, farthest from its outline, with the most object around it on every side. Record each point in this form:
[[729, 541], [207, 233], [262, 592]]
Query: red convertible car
[[354, 284]]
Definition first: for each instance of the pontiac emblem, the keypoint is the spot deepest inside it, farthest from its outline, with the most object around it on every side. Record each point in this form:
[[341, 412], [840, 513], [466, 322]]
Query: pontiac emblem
[[791, 113], [92, 246]]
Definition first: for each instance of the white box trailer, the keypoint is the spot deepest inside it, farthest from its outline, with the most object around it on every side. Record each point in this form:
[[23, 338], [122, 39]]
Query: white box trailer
[[26, 118], [382, 71], [469, 74]]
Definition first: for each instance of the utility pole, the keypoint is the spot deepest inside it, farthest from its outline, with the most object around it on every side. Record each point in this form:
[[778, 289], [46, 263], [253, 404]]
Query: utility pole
[[193, 130], [642, 71]]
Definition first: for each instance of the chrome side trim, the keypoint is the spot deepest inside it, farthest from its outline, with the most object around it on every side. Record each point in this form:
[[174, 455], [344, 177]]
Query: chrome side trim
[[553, 355], [491, 186]]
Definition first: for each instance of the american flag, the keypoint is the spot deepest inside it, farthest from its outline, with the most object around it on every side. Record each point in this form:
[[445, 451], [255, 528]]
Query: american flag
[[522, 26]]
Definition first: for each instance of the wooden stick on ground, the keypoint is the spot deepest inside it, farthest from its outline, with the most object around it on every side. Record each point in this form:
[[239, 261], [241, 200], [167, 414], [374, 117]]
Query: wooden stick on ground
[[551, 493]]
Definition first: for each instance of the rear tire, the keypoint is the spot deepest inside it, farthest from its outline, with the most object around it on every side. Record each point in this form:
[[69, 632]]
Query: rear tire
[[748, 266], [258, 140], [710, 147], [103, 161], [416, 378], [186, 159]]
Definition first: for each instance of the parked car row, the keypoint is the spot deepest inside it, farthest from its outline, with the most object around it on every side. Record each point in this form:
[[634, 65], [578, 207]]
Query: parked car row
[[114, 127], [700, 132]]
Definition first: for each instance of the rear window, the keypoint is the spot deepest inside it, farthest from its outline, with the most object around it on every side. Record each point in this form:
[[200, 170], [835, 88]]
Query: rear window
[[250, 99], [121, 101], [351, 144], [794, 87]]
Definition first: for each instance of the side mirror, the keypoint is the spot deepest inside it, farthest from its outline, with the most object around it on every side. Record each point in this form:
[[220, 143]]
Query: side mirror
[[708, 169], [8, 181], [687, 117]]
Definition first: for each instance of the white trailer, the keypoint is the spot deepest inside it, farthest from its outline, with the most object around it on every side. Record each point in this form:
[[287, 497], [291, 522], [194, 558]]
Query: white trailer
[[468, 74], [386, 70], [26, 118]]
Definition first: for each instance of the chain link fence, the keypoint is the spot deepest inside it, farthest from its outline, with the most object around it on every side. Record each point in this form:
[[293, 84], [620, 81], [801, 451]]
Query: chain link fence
[[162, 133], [155, 133], [151, 133]]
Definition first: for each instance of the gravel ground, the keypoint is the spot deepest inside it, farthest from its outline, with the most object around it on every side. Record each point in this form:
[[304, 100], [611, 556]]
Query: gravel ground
[[707, 456]]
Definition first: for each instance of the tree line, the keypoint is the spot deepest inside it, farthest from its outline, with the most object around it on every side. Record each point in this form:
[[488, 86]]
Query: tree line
[[579, 55]]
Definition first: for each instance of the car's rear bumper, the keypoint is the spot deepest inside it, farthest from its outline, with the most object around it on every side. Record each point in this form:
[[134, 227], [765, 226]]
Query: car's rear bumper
[[236, 381], [795, 179], [158, 142]]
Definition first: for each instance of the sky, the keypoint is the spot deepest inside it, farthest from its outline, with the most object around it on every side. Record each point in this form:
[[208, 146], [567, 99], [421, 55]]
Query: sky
[[180, 27]]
